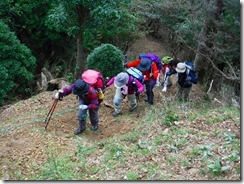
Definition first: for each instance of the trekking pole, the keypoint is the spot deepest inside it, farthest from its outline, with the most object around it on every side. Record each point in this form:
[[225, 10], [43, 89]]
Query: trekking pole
[[50, 113]]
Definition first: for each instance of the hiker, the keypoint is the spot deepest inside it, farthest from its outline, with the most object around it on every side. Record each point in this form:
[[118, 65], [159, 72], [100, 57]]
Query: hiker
[[95, 79], [155, 58], [125, 85], [168, 64], [88, 100], [150, 72], [186, 77]]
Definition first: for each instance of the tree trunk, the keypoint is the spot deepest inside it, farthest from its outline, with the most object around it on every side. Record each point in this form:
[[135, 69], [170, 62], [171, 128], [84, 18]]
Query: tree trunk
[[82, 13], [80, 59]]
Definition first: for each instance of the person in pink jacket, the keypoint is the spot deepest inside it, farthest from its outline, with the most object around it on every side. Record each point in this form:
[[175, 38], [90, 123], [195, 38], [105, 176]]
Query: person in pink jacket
[[125, 85]]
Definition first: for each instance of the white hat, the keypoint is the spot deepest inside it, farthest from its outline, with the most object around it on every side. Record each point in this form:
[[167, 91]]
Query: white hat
[[181, 68]]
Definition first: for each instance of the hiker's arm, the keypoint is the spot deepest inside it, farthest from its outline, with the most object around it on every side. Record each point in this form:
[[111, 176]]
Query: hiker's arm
[[166, 77], [68, 89], [110, 82], [133, 63], [154, 70], [171, 72], [140, 86]]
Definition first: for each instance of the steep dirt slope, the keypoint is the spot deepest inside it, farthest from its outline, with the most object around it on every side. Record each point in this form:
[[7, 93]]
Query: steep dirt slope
[[21, 137]]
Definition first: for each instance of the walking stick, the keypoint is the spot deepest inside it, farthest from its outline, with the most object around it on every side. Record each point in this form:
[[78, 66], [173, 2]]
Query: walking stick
[[50, 113]]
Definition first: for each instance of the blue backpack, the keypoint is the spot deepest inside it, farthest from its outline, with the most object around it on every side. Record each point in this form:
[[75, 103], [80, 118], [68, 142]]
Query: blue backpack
[[191, 70], [135, 73]]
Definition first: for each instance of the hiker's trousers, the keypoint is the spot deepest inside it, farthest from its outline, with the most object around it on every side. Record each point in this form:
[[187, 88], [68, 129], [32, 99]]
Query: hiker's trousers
[[149, 90], [184, 91], [93, 114], [118, 98]]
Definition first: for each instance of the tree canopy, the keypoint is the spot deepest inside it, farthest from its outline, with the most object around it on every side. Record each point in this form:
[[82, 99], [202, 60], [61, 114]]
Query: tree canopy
[[61, 34]]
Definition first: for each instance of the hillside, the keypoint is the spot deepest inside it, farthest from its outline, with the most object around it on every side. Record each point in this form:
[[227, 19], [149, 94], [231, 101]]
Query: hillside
[[169, 141]]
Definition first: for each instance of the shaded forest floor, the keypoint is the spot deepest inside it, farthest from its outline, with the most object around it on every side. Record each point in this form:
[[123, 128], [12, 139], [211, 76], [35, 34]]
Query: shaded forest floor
[[26, 147]]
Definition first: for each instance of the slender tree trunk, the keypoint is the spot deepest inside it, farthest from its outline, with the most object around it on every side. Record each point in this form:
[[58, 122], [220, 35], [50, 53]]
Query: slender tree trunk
[[82, 13], [80, 59]]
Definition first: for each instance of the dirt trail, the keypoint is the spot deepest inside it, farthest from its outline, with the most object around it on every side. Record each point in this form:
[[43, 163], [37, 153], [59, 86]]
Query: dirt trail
[[22, 136]]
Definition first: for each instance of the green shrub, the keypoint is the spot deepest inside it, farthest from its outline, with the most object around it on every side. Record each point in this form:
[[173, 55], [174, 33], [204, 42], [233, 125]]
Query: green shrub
[[107, 59], [16, 65]]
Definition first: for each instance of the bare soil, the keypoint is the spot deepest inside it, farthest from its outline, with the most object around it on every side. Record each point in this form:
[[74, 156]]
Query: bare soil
[[20, 138]]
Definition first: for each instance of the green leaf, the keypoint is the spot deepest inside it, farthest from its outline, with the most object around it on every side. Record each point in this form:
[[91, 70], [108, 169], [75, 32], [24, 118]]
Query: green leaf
[[224, 168]]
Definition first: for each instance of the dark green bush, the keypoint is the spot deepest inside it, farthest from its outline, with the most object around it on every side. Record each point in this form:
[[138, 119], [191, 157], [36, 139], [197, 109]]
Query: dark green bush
[[16, 65], [107, 59]]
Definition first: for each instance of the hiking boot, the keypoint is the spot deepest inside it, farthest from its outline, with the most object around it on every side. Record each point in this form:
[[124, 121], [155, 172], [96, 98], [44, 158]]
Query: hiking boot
[[94, 127], [78, 131], [81, 127], [115, 113], [132, 109]]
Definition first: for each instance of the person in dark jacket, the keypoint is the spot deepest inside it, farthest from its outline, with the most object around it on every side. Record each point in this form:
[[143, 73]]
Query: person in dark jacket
[[88, 100], [185, 80]]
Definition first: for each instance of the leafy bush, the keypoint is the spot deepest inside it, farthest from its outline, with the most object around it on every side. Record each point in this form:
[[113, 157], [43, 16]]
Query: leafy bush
[[107, 59], [16, 65]]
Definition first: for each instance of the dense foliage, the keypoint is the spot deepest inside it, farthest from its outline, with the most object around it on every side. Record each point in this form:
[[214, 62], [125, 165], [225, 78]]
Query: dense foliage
[[16, 65], [107, 59], [61, 34]]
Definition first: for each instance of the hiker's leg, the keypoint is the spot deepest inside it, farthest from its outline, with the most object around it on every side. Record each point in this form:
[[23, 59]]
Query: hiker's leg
[[82, 116], [179, 92], [94, 118], [118, 101], [186, 93], [151, 94], [132, 102]]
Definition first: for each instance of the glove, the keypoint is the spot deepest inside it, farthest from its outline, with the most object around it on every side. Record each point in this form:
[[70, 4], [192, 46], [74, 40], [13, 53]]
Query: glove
[[164, 89], [83, 107], [59, 95]]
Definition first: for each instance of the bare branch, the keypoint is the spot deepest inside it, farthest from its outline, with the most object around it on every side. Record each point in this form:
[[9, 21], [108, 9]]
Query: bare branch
[[234, 77], [210, 87]]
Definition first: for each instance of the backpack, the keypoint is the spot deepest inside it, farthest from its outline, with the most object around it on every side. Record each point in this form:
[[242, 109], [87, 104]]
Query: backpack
[[137, 74], [154, 58], [94, 78], [190, 69]]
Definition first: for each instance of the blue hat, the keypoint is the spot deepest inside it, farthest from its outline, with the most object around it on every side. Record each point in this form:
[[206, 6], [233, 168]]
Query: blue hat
[[81, 87], [145, 64]]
